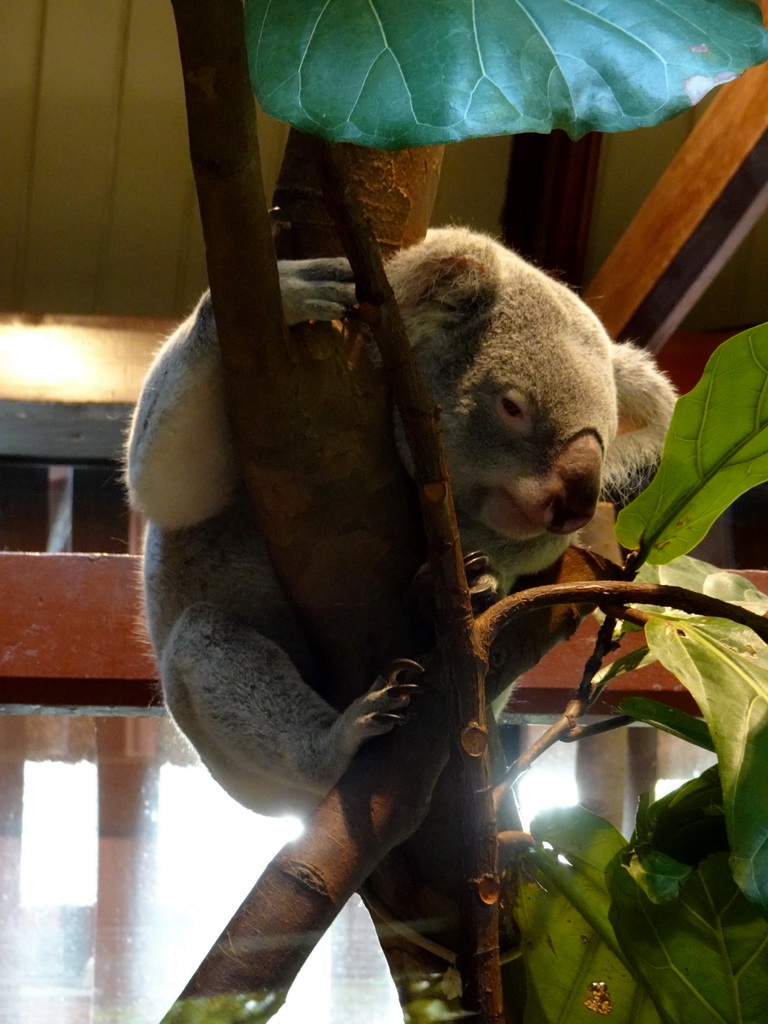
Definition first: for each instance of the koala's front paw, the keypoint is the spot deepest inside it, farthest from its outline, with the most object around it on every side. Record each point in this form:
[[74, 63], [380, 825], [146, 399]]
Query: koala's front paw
[[384, 705], [316, 289], [484, 588]]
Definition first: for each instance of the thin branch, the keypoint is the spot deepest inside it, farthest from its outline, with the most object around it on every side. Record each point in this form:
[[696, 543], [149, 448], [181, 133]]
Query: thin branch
[[604, 643], [606, 595], [583, 732], [564, 724], [224, 151], [461, 658], [633, 615], [563, 730]]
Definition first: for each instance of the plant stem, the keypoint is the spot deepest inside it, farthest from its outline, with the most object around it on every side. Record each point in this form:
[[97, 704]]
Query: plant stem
[[603, 644], [583, 732]]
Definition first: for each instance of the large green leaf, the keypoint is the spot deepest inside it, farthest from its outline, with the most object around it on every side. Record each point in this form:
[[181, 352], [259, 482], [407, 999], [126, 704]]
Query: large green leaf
[[708, 579], [725, 666], [674, 834], [704, 955], [574, 970], [671, 720], [716, 448], [703, 578], [693, 574], [390, 73]]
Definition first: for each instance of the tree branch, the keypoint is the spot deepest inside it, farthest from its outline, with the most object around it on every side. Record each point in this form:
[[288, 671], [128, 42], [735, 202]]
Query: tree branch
[[379, 802], [396, 189], [350, 580], [461, 661], [607, 595], [583, 732]]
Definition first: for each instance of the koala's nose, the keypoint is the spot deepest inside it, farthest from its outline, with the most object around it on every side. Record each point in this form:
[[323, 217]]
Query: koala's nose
[[576, 472], [573, 510]]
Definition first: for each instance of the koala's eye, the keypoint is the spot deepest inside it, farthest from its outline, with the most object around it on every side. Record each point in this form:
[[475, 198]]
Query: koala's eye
[[513, 412], [511, 408]]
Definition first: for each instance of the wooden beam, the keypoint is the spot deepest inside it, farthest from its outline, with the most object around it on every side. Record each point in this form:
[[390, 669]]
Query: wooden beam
[[77, 359], [71, 640], [699, 211], [686, 353], [66, 432], [68, 384], [549, 197], [71, 635]]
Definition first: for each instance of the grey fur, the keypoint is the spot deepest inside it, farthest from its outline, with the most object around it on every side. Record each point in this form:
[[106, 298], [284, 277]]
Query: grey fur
[[531, 391]]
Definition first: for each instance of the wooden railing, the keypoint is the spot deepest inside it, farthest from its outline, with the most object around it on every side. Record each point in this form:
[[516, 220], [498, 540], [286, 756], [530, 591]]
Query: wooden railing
[[71, 638]]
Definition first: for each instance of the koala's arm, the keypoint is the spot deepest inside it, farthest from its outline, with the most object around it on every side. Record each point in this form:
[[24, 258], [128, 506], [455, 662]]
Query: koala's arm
[[182, 466]]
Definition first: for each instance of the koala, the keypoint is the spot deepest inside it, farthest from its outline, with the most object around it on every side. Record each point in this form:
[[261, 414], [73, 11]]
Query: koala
[[541, 412]]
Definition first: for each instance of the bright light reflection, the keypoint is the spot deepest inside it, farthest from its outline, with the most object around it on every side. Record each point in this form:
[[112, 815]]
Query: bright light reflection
[[210, 851], [664, 786], [198, 824], [73, 362], [540, 789], [59, 839], [44, 357]]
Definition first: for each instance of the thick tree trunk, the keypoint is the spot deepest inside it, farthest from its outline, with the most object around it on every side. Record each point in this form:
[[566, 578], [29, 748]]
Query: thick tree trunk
[[311, 414], [396, 190]]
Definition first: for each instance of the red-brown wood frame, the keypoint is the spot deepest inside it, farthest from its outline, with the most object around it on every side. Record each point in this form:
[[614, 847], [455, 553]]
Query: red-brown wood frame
[[71, 635]]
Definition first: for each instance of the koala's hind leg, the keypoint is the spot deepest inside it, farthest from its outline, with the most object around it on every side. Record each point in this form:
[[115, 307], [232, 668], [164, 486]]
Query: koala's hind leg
[[266, 736]]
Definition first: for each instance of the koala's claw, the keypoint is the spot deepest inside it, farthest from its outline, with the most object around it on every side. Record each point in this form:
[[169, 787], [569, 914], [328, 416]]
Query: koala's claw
[[484, 590], [476, 563], [404, 689], [402, 671], [387, 720], [386, 703]]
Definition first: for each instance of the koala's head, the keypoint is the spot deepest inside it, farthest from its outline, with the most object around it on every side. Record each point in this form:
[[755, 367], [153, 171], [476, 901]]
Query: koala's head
[[541, 411]]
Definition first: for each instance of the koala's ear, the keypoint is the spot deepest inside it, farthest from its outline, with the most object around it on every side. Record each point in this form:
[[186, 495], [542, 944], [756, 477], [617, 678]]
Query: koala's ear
[[449, 281], [453, 268], [645, 399]]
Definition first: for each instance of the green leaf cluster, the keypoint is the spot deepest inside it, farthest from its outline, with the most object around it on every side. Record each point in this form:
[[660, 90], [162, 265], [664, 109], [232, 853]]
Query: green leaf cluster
[[391, 74], [573, 961], [702, 955], [725, 667], [716, 449], [690, 935], [655, 930]]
